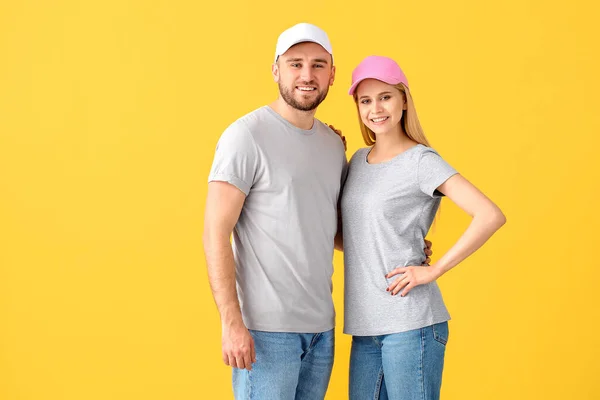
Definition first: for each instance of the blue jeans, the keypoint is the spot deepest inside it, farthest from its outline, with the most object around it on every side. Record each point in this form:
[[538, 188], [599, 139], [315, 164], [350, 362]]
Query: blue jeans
[[289, 366], [400, 366]]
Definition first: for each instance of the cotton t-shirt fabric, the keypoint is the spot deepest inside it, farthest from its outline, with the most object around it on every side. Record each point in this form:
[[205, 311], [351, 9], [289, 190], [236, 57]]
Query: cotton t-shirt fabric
[[283, 239], [387, 210]]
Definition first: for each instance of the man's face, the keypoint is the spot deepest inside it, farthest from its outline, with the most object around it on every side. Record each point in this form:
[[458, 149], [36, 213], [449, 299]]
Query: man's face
[[304, 74]]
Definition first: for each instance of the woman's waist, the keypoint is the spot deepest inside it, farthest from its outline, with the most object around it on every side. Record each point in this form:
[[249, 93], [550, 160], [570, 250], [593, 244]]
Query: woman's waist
[[377, 259]]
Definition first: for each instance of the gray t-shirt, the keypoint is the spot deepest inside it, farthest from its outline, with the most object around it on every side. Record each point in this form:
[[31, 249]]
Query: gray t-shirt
[[283, 239], [387, 210]]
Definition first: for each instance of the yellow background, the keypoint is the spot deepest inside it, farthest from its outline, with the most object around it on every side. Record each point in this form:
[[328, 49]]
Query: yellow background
[[109, 115]]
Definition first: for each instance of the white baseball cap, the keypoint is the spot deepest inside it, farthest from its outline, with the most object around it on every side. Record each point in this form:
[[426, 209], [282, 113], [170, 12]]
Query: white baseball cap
[[299, 33]]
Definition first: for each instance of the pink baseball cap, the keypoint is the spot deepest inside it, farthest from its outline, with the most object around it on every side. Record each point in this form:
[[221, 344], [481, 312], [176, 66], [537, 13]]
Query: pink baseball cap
[[377, 67]]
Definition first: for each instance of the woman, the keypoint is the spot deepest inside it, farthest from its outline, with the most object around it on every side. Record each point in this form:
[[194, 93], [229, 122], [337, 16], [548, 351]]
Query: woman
[[393, 306]]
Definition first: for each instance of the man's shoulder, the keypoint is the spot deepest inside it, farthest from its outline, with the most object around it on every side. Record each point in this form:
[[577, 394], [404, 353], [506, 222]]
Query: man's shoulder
[[332, 138], [325, 128], [255, 119], [247, 125]]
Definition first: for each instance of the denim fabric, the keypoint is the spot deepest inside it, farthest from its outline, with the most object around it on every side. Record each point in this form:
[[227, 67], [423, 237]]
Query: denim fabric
[[399, 366], [294, 366]]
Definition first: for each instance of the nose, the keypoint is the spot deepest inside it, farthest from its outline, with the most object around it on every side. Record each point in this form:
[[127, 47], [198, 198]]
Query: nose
[[307, 73], [376, 107]]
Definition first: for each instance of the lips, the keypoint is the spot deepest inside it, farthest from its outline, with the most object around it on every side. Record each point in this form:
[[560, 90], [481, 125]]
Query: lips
[[379, 120], [306, 89]]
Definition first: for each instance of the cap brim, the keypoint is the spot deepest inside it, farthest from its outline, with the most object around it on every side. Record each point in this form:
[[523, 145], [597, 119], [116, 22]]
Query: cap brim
[[386, 79]]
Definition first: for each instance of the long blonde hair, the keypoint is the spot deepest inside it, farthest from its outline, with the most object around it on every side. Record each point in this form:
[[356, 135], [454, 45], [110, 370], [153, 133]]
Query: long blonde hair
[[410, 121]]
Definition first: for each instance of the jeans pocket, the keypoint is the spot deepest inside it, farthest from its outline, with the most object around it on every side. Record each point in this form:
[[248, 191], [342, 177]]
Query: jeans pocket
[[440, 332]]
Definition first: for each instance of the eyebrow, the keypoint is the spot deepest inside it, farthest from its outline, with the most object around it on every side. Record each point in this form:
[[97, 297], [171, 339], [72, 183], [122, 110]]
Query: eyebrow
[[317, 60], [387, 92]]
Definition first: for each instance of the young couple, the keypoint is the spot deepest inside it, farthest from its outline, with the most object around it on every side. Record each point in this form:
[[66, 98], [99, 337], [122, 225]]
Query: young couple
[[281, 184]]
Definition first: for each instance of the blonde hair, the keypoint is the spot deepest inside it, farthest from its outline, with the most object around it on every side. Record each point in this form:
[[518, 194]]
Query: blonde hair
[[410, 121]]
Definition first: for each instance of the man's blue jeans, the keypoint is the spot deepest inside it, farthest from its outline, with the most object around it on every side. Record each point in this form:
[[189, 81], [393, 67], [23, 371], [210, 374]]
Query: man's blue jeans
[[294, 366], [400, 366]]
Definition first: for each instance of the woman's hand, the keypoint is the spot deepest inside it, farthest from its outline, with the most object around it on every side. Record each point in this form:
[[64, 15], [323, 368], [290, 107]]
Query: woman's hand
[[410, 277], [339, 133]]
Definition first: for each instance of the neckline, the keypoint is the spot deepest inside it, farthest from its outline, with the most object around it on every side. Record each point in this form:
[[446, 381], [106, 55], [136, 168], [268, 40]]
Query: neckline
[[292, 126], [391, 160]]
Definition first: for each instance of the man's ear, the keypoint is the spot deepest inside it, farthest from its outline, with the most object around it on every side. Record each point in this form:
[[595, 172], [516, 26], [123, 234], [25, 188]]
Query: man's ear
[[332, 78], [275, 71]]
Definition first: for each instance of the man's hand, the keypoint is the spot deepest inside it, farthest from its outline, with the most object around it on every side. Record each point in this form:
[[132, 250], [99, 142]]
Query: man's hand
[[238, 346], [340, 135], [428, 252]]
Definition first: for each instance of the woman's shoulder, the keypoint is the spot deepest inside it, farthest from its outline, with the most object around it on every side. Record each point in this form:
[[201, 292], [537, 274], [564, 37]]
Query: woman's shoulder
[[360, 154], [421, 151]]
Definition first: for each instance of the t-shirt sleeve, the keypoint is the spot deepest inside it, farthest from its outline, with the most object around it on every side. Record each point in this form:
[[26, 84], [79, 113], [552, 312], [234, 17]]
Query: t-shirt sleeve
[[432, 171], [236, 158]]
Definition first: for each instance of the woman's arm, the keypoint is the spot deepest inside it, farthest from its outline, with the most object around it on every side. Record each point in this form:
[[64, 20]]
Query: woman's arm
[[487, 219]]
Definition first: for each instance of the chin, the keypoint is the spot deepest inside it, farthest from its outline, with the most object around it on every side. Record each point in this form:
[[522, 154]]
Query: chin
[[377, 130]]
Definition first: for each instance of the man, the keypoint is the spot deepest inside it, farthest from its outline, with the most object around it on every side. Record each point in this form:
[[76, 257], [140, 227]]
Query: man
[[274, 184], [276, 179]]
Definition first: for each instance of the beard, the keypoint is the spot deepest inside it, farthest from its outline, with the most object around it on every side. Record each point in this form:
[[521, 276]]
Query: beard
[[288, 96]]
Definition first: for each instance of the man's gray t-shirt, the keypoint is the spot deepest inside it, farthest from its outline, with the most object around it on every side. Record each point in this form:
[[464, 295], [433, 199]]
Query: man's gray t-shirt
[[387, 210], [283, 239]]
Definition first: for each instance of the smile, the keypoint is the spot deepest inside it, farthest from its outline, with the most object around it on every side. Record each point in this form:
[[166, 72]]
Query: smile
[[306, 88], [379, 120]]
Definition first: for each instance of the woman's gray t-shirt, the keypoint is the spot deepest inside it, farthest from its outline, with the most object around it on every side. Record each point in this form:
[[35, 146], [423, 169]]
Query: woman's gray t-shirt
[[387, 210]]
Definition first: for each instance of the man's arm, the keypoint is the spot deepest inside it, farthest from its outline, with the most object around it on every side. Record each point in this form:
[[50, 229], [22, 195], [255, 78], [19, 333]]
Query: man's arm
[[338, 241], [223, 207]]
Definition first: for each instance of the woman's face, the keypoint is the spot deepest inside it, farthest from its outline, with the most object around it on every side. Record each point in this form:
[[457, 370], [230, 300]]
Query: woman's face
[[380, 106]]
